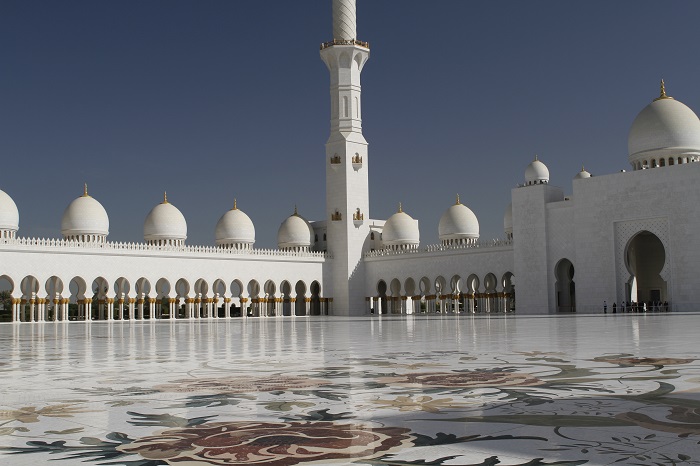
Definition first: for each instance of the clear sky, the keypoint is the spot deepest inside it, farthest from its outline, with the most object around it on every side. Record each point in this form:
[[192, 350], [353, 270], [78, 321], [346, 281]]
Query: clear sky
[[212, 100]]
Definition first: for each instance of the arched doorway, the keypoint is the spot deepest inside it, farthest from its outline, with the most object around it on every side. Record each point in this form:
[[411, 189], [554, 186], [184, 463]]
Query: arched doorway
[[381, 297], [565, 286], [645, 257]]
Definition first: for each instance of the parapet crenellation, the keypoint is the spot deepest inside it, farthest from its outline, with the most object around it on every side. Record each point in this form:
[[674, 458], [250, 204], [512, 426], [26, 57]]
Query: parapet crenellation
[[52, 243], [447, 248]]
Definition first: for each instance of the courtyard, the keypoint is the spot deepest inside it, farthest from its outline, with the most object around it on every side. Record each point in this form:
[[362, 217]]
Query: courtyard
[[382, 390]]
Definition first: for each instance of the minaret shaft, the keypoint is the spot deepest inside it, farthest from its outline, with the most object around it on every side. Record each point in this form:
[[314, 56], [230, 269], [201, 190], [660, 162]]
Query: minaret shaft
[[347, 183]]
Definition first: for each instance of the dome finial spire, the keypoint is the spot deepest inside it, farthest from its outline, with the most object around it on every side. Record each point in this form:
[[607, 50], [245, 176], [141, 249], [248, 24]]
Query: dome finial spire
[[295, 210], [457, 203], [235, 204], [165, 197], [400, 208], [85, 192], [583, 169], [536, 159], [663, 95]]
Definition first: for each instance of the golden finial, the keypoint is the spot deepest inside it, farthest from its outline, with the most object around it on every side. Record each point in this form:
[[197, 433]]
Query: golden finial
[[235, 205], [536, 159], [85, 193], [295, 210], [583, 169], [663, 95], [165, 197], [457, 203], [400, 208]]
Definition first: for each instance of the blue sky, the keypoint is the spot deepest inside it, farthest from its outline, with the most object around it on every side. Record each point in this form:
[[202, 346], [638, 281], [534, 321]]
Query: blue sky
[[212, 100]]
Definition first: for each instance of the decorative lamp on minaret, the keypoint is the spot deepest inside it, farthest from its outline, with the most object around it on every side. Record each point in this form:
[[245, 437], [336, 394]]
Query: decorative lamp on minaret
[[347, 185]]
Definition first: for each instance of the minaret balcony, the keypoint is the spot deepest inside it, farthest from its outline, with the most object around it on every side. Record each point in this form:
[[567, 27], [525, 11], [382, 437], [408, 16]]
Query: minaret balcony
[[336, 161], [359, 43], [336, 217], [357, 162], [358, 218]]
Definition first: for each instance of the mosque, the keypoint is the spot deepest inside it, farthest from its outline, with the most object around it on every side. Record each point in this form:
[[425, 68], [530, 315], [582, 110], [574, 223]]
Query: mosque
[[627, 236]]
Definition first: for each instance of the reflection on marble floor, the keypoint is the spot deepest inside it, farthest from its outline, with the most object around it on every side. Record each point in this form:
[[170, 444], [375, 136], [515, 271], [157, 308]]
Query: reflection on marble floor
[[424, 390]]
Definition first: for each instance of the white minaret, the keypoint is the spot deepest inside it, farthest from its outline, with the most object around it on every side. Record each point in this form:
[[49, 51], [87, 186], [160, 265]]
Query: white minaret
[[347, 190]]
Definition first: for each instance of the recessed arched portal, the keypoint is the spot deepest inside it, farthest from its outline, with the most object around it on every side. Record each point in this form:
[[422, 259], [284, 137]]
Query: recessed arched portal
[[315, 304], [300, 307], [508, 282], [381, 293], [6, 300], [645, 257], [565, 286]]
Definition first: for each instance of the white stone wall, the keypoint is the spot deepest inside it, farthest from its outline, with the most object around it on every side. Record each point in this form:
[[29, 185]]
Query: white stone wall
[[530, 255], [611, 209], [18, 261]]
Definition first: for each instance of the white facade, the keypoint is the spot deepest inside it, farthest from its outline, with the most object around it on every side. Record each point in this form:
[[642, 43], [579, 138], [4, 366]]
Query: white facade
[[622, 237]]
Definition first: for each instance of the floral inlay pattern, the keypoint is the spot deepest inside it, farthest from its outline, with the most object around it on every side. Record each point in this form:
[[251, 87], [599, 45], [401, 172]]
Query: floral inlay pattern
[[268, 444], [356, 392]]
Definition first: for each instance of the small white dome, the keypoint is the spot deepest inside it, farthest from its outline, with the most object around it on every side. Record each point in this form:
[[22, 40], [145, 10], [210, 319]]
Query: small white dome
[[508, 220], [665, 127], [234, 227], [401, 230], [85, 216], [9, 215], [457, 223], [582, 174], [536, 173], [165, 223], [295, 232]]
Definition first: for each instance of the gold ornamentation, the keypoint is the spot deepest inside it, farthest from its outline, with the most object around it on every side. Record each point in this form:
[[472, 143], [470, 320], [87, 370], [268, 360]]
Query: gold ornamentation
[[663, 95], [333, 42]]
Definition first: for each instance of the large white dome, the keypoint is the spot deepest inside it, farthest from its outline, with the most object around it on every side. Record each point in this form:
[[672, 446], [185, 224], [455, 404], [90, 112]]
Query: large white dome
[[536, 173], [165, 224], [458, 223], [401, 230], [664, 128], [85, 219], [235, 227], [9, 215], [295, 232]]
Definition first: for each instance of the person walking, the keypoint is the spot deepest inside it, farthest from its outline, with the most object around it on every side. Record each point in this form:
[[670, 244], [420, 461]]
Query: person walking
[[614, 308]]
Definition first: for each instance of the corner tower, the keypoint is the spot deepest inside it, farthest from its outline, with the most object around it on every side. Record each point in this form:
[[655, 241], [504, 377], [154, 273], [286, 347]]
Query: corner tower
[[347, 186]]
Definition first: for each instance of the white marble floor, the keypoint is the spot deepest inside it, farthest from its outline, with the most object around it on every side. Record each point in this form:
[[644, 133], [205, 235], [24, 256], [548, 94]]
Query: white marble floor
[[423, 390]]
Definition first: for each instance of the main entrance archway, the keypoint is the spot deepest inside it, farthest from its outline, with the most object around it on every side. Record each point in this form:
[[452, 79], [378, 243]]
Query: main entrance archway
[[565, 287], [645, 257]]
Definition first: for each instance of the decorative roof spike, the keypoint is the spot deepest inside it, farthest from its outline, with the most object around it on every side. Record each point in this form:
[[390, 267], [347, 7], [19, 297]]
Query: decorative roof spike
[[165, 197], [583, 169], [457, 203], [400, 208], [295, 210], [536, 159], [235, 205], [663, 95], [85, 192]]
